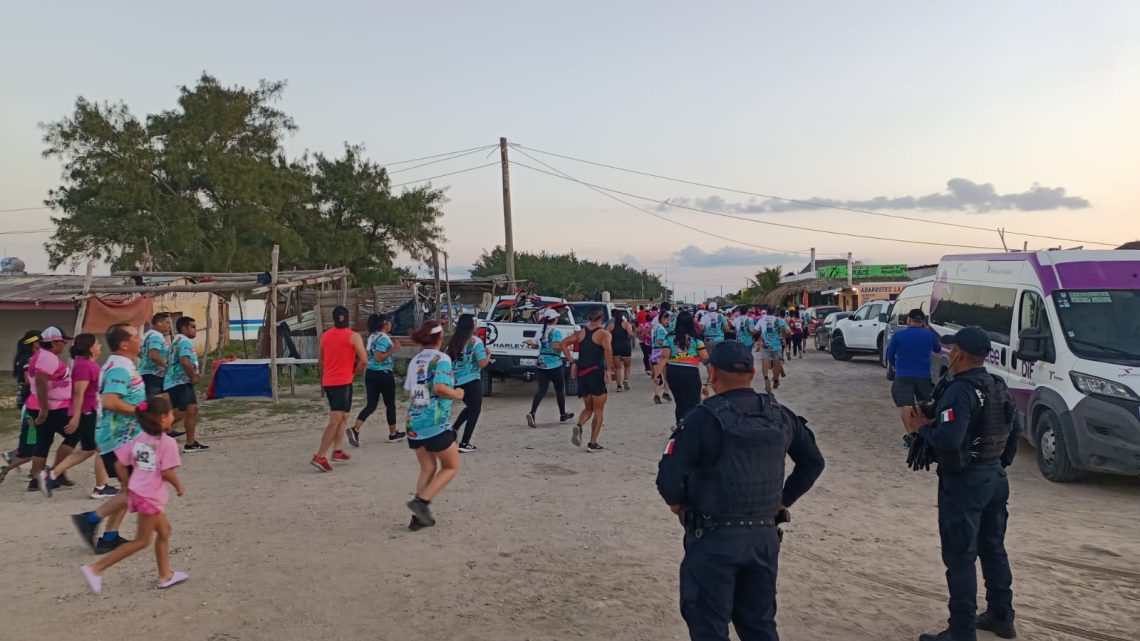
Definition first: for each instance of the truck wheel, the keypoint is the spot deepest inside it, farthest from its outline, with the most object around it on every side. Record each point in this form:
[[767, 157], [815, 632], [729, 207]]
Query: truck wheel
[[839, 349], [1052, 451], [571, 384], [890, 372], [485, 380], [881, 348]]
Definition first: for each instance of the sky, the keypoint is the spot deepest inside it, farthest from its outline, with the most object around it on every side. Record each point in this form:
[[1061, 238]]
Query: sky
[[1017, 114]]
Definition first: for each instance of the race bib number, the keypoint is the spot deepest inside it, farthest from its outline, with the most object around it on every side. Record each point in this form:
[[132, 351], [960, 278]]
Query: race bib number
[[420, 396], [146, 459]]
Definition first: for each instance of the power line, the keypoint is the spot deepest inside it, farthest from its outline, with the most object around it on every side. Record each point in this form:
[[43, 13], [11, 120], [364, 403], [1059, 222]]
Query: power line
[[7, 211], [452, 157], [25, 231], [452, 173], [754, 220], [404, 162], [808, 202]]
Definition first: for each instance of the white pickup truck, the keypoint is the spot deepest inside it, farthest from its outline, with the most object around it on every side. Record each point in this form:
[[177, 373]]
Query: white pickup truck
[[512, 338]]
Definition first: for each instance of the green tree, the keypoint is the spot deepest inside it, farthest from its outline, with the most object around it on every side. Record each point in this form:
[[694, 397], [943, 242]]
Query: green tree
[[566, 276], [760, 285], [207, 187]]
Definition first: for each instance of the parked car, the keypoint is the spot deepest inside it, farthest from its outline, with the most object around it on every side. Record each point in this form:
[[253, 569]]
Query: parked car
[[825, 327], [916, 295], [864, 332], [510, 332], [581, 311], [816, 316]]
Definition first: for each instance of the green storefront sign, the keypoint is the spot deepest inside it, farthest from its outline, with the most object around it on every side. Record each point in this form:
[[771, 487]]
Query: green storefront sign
[[862, 271]]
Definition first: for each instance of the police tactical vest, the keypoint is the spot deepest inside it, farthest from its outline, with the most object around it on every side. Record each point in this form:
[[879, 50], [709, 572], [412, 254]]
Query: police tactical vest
[[747, 480], [991, 423]]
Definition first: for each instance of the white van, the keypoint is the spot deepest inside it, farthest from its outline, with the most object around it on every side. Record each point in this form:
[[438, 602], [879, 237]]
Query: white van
[[1065, 327], [915, 295]]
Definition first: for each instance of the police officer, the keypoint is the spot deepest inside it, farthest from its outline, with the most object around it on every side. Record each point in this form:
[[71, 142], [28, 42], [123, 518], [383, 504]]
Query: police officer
[[723, 474], [973, 434]]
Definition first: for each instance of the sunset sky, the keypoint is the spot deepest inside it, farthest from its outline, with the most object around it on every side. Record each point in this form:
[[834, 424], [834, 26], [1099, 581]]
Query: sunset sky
[[1020, 115]]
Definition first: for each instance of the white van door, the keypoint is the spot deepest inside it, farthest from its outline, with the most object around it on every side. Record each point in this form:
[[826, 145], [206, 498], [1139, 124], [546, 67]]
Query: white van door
[[1023, 378]]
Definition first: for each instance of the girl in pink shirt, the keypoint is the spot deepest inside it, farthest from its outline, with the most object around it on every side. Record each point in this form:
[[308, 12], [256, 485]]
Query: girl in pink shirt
[[147, 464]]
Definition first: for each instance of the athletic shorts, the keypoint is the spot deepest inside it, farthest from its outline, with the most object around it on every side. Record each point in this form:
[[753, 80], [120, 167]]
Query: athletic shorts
[[27, 445], [153, 384], [340, 397], [182, 396], [905, 391], [592, 384], [624, 350], [655, 355], [437, 443], [141, 505], [771, 354], [86, 431], [109, 459], [56, 422]]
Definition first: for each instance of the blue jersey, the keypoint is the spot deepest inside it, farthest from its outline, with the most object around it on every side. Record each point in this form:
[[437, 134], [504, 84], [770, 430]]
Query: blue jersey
[[548, 357], [428, 413], [153, 340], [467, 369], [120, 377], [176, 374], [380, 342]]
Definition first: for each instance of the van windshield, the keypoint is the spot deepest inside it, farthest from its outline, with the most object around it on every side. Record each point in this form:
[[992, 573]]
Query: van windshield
[[1101, 324]]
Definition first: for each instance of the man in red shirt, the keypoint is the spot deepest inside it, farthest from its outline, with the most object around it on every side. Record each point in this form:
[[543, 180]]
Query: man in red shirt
[[342, 357], [642, 315]]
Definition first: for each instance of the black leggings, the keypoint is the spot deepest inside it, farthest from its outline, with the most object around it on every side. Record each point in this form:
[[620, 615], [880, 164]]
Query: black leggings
[[685, 383], [646, 351], [546, 378], [472, 407], [377, 384], [797, 343]]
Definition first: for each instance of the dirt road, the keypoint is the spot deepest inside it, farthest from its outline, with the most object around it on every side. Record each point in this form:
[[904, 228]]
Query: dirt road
[[540, 540]]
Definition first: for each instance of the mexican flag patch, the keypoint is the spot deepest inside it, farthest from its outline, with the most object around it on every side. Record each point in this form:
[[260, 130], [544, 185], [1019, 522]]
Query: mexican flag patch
[[947, 416]]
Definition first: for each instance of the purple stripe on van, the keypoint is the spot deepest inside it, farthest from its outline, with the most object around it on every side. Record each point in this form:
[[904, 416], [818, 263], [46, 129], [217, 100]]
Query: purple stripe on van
[[1108, 274]]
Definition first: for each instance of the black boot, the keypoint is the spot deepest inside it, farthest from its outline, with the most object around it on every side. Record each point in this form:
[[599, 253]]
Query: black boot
[[944, 635], [989, 623]]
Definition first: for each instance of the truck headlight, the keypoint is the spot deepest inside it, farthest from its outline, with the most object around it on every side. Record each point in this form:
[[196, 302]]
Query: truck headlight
[[1093, 385]]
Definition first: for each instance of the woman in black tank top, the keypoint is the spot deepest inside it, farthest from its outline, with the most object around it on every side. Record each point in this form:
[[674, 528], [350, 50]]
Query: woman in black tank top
[[622, 332], [594, 355]]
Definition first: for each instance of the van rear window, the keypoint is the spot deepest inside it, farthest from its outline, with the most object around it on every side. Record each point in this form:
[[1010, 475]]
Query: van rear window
[[961, 304]]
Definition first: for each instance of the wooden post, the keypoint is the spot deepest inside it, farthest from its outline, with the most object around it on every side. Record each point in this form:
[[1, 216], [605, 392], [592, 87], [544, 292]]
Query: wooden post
[[273, 322], [205, 365], [81, 315], [451, 318], [435, 266], [510, 234], [241, 315]]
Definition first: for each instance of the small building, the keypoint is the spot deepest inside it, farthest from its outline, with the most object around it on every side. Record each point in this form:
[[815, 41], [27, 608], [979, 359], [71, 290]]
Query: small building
[[828, 285]]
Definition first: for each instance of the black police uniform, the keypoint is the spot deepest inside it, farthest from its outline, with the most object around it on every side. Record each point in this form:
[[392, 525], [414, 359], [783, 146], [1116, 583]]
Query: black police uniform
[[973, 442], [725, 464]]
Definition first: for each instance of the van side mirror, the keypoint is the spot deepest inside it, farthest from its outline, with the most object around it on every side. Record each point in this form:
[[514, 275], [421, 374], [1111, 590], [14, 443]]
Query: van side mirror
[[1032, 345]]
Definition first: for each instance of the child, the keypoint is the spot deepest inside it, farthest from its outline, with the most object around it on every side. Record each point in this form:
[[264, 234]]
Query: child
[[146, 465]]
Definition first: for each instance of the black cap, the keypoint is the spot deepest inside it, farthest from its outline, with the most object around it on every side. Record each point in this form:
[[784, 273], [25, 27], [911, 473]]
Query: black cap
[[916, 315], [732, 356], [340, 316], [972, 340]]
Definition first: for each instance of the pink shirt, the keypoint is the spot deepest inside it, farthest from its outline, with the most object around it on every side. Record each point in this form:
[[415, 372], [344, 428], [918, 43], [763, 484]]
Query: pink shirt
[[59, 387], [85, 369], [150, 456]]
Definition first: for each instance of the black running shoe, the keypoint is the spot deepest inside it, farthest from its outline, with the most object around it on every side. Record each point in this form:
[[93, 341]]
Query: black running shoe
[[594, 447], [667, 397], [566, 417], [104, 546], [353, 436], [33, 485], [421, 511], [64, 481], [467, 448], [191, 448], [86, 529], [530, 420], [415, 525], [397, 437]]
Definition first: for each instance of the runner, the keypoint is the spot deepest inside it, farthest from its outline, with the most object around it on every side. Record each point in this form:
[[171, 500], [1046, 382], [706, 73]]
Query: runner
[[121, 391], [148, 462], [179, 381], [156, 347], [797, 325], [85, 376], [550, 367], [51, 401], [642, 315], [745, 325], [342, 357], [469, 356], [430, 385], [712, 327], [379, 379], [773, 331], [26, 350], [684, 352], [660, 334], [594, 352], [622, 333], [645, 339]]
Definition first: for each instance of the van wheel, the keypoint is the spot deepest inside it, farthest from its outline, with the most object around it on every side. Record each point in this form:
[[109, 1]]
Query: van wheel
[[1052, 451], [571, 384], [839, 349], [485, 380]]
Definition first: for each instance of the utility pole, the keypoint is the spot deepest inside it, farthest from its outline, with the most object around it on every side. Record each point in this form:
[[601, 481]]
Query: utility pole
[[510, 240]]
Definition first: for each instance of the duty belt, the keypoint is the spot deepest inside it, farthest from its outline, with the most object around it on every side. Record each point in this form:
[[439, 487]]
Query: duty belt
[[705, 523]]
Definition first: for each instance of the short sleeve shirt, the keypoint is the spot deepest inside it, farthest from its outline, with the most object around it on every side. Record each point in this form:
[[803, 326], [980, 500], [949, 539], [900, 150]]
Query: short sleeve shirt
[[153, 340], [85, 369], [59, 383], [467, 369], [121, 377], [743, 326], [772, 332], [660, 333], [380, 342], [548, 357], [713, 324], [175, 373], [689, 356], [150, 456], [428, 413]]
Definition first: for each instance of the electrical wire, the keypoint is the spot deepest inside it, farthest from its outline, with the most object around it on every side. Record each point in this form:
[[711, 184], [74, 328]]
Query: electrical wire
[[753, 220], [450, 153], [452, 173], [7, 211], [25, 231], [432, 162], [817, 205]]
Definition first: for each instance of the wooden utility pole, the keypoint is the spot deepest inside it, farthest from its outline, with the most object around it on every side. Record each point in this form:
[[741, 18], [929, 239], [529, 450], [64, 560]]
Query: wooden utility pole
[[451, 318], [510, 240], [273, 322], [435, 266], [82, 314]]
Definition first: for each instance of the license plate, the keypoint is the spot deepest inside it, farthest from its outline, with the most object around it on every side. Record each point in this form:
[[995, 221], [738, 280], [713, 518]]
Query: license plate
[[528, 362]]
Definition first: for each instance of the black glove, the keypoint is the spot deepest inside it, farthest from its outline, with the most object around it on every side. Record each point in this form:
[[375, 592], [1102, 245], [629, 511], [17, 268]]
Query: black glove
[[919, 456]]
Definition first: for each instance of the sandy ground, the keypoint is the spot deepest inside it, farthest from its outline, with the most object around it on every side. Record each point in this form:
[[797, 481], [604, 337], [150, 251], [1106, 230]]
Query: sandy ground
[[540, 540]]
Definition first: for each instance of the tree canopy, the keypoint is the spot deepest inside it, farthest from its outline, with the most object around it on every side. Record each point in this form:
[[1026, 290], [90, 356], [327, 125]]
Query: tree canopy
[[207, 186], [569, 277], [765, 281]]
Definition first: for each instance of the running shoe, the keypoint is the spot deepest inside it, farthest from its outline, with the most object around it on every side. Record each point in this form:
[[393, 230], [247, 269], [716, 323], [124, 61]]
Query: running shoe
[[190, 448], [421, 511], [594, 447], [105, 492], [64, 481], [530, 420], [86, 529], [175, 579], [94, 581], [103, 546], [353, 436], [397, 437], [625, 384], [566, 416], [321, 463], [46, 483], [576, 437], [776, 384], [657, 399], [467, 448], [33, 485], [175, 434], [617, 388], [783, 374], [10, 456], [667, 397], [341, 455]]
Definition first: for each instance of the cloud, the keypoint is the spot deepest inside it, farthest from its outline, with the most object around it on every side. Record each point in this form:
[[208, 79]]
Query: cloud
[[629, 259], [960, 195], [693, 256]]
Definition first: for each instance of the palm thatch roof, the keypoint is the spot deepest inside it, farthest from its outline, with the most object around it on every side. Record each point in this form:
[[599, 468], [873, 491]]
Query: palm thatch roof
[[816, 285]]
